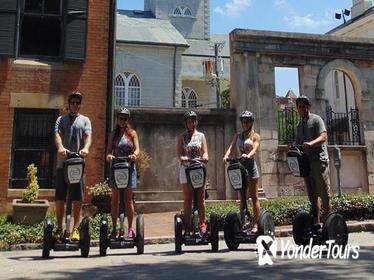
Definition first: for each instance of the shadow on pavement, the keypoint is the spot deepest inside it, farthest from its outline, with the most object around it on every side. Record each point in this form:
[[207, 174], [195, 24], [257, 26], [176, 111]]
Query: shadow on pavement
[[218, 268]]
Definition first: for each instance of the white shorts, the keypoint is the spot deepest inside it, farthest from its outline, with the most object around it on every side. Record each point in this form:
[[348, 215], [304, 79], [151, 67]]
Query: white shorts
[[182, 175]]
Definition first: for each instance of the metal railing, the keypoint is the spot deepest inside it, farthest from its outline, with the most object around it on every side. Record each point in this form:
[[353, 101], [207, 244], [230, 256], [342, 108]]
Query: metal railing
[[342, 128]]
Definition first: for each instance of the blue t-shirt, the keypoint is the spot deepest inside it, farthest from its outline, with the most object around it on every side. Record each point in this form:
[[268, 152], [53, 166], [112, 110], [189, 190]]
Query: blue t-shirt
[[72, 130]]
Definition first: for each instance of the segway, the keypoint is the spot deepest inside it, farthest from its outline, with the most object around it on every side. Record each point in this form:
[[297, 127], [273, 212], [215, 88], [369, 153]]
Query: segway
[[196, 177], [304, 225], [121, 172], [236, 230], [73, 170]]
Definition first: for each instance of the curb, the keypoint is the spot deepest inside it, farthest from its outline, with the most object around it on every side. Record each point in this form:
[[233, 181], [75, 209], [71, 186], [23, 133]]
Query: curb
[[285, 231]]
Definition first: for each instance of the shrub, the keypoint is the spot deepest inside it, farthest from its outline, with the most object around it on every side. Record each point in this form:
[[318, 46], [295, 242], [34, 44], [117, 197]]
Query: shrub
[[30, 194], [142, 163], [101, 188]]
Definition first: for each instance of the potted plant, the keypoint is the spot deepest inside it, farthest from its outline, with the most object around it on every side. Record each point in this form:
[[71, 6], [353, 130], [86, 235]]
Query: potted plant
[[101, 196], [30, 209]]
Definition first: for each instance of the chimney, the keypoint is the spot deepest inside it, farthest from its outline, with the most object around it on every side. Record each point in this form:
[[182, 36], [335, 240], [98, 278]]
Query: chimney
[[359, 7]]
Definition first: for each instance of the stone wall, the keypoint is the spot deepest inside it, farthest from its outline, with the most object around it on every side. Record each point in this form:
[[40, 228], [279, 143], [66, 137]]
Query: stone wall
[[158, 130], [254, 54]]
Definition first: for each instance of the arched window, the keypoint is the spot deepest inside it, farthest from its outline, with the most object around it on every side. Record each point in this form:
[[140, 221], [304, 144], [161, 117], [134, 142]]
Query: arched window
[[127, 90], [182, 11], [189, 98]]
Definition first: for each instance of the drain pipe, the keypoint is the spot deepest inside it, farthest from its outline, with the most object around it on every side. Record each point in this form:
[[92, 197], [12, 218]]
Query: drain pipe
[[110, 75]]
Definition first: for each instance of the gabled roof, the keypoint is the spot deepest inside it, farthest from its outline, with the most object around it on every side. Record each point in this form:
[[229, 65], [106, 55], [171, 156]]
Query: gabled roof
[[138, 27], [206, 47]]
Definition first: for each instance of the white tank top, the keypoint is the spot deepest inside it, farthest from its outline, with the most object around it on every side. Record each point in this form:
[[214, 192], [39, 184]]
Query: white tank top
[[244, 145]]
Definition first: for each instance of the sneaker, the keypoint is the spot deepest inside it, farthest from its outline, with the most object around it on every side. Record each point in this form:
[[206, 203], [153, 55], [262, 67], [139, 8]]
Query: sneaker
[[254, 229], [130, 233], [58, 234], [75, 234], [121, 234], [113, 235], [202, 228]]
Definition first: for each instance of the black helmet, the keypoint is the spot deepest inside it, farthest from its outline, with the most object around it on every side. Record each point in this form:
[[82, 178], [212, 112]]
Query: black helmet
[[247, 115], [303, 99], [75, 94], [190, 114], [124, 111]]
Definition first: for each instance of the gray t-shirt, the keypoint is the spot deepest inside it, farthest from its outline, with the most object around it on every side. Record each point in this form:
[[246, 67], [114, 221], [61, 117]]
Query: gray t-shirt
[[72, 130], [309, 129]]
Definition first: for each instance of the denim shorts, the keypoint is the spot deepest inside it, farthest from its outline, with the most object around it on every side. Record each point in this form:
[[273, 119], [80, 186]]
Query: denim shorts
[[133, 181]]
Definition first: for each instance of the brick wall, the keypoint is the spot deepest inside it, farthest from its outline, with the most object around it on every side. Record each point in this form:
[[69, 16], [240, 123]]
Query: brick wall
[[39, 78]]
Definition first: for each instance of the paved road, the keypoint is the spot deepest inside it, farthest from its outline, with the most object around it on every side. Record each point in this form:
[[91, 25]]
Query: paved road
[[160, 262]]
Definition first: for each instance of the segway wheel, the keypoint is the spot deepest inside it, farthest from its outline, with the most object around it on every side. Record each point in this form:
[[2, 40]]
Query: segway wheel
[[301, 228], [213, 224], [178, 228], [103, 236], [231, 228], [85, 237], [266, 224], [140, 234], [47, 238], [335, 228]]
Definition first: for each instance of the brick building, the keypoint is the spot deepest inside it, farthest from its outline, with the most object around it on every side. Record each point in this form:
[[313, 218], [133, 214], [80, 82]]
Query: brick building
[[47, 50]]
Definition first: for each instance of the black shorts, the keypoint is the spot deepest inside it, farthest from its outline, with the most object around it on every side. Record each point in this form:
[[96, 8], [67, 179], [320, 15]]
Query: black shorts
[[76, 191]]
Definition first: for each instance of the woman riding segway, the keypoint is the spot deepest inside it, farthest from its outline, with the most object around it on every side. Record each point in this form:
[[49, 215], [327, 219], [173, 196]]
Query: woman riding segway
[[123, 142], [192, 144], [248, 143]]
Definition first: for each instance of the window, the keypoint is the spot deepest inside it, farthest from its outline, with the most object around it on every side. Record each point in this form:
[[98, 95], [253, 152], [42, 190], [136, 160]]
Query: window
[[189, 98], [127, 90], [182, 12], [41, 23], [336, 80], [33, 142], [44, 29]]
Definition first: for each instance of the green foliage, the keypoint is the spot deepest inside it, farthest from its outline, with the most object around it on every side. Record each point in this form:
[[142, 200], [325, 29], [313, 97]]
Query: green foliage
[[30, 194], [101, 188], [225, 98], [19, 233], [287, 123], [283, 209]]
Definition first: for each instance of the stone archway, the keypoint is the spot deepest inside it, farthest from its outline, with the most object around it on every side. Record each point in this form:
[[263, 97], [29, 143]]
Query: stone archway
[[348, 68]]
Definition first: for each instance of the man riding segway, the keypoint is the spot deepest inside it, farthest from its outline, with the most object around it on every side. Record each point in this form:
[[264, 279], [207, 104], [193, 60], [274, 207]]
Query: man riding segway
[[312, 159]]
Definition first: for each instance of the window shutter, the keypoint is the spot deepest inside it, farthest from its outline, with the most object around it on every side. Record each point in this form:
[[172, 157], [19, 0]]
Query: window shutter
[[8, 27], [76, 30]]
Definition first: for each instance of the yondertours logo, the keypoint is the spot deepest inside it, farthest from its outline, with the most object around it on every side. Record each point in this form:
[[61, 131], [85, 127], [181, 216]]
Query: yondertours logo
[[267, 248]]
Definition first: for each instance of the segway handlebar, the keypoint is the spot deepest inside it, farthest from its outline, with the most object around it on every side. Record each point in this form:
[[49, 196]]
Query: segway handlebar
[[199, 159]]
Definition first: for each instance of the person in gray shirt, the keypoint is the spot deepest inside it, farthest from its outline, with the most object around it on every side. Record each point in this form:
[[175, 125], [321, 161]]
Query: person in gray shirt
[[311, 133], [72, 134]]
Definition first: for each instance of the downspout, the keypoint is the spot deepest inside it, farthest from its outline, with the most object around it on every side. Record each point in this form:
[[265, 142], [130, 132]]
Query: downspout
[[110, 75], [174, 75]]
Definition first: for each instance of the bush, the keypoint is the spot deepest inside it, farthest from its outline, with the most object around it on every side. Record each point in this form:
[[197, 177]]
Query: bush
[[30, 194], [101, 188], [283, 209]]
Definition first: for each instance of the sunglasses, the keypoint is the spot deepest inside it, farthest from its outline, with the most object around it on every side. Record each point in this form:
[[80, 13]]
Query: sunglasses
[[75, 103], [123, 118], [246, 121]]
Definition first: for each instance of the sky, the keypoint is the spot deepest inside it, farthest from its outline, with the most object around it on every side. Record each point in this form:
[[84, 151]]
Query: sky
[[306, 16]]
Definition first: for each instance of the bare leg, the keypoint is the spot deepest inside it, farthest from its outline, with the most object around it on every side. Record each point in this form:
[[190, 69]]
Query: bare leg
[[201, 204], [114, 207], [129, 206], [60, 207], [326, 205], [187, 205], [77, 212], [317, 210], [253, 193]]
